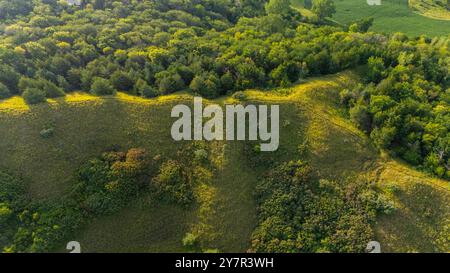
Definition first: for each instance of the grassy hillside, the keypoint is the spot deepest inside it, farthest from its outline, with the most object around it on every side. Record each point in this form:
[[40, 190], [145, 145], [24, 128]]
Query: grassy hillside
[[226, 211], [422, 220], [436, 9], [391, 16]]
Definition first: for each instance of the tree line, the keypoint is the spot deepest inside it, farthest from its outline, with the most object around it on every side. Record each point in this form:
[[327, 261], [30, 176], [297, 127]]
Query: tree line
[[152, 48]]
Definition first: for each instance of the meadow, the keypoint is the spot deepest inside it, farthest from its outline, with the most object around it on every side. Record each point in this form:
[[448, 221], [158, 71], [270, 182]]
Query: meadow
[[226, 209], [390, 17]]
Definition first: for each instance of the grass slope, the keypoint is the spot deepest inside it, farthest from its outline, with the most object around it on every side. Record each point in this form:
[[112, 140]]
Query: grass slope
[[391, 16], [431, 8], [85, 126]]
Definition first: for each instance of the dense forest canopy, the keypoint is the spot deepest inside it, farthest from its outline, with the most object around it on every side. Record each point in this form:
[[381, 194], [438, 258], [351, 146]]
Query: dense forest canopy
[[151, 48]]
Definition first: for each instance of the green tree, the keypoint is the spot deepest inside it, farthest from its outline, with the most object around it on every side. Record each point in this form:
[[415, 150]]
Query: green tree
[[307, 4], [102, 86], [33, 95], [323, 8], [383, 137], [143, 89], [227, 82], [51, 90], [376, 69], [11, 8], [169, 82], [99, 4], [361, 116], [280, 7], [206, 85], [4, 91], [362, 25], [122, 81], [9, 78]]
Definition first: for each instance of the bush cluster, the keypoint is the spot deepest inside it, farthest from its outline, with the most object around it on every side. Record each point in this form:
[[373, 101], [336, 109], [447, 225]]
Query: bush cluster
[[105, 185], [297, 212]]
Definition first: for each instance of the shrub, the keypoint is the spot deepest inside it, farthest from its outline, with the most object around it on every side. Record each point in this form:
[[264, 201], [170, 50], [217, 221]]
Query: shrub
[[11, 188], [201, 155], [346, 97], [5, 213], [239, 95], [47, 133], [190, 241], [33, 96], [412, 157], [393, 188], [108, 183], [384, 205], [12, 201], [362, 25], [289, 221], [173, 184], [101, 87]]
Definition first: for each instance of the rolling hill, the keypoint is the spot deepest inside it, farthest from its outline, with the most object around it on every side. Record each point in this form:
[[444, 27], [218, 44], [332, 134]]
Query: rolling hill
[[390, 17], [436, 9], [85, 126]]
